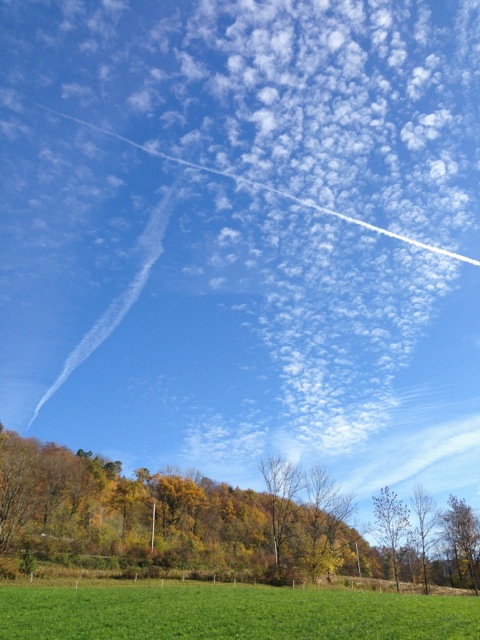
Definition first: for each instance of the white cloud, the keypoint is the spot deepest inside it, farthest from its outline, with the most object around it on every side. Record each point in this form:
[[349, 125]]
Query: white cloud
[[265, 120], [193, 271], [77, 91], [382, 19], [438, 169], [141, 101], [335, 40], [115, 6], [191, 68], [417, 453], [268, 95], [115, 181], [281, 43], [236, 63], [436, 119], [215, 440], [228, 236], [217, 283], [420, 77], [397, 57], [222, 203], [416, 136]]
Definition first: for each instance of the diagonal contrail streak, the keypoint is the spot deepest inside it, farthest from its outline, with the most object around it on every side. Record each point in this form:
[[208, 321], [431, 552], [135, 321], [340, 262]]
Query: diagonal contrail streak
[[262, 187], [151, 242]]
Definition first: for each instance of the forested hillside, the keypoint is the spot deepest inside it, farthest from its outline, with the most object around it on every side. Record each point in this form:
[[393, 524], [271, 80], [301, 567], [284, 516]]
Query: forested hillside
[[77, 509], [63, 506]]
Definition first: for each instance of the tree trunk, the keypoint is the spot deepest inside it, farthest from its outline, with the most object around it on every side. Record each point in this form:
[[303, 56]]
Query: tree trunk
[[395, 570]]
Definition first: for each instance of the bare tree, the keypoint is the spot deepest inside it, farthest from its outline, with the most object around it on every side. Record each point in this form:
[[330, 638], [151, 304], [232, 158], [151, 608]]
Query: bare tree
[[327, 511], [55, 467], [462, 530], [425, 534], [393, 521], [284, 480], [18, 484]]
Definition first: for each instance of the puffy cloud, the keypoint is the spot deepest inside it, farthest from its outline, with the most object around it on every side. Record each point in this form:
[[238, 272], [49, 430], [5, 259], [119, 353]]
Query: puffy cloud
[[228, 236], [428, 126], [191, 68], [265, 119], [141, 101], [335, 40], [268, 95]]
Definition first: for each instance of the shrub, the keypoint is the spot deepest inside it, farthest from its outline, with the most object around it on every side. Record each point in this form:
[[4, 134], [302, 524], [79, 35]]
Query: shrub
[[281, 576], [8, 569], [28, 563]]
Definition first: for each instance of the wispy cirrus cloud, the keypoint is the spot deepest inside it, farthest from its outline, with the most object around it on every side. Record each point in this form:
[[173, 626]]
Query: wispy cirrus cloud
[[417, 454]]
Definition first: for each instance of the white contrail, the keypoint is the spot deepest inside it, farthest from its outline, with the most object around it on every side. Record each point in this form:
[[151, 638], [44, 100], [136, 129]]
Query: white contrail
[[151, 242], [263, 187]]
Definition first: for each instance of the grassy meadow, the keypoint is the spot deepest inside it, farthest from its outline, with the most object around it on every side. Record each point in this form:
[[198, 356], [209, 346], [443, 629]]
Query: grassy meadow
[[147, 610]]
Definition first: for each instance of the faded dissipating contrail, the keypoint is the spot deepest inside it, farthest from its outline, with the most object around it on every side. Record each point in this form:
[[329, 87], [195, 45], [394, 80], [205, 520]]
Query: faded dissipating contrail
[[151, 242], [262, 187]]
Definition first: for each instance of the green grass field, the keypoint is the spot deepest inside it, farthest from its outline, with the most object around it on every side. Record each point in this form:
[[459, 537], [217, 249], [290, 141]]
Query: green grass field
[[147, 610]]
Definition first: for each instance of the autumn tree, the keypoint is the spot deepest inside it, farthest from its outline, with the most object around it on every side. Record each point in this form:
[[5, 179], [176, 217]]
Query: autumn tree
[[82, 485], [99, 485], [326, 513], [178, 501], [284, 480], [253, 518], [126, 496], [392, 524]]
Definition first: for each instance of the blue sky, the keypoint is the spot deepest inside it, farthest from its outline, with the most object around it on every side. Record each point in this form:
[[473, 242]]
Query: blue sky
[[236, 229]]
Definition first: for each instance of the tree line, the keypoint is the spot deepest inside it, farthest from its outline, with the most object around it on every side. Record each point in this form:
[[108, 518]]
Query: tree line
[[78, 508], [423, 543]]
